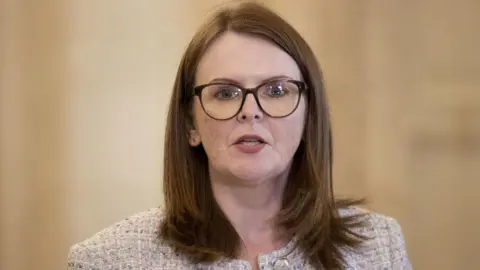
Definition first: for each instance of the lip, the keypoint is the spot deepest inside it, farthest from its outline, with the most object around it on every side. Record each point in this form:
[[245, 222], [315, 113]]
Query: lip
[[250, 137], [250, 149]]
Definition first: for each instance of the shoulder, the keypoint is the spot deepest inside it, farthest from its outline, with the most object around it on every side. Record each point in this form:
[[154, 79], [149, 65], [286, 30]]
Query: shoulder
[[385, 245], [130, 243]]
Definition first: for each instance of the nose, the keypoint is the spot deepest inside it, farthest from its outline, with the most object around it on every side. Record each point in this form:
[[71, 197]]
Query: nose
[[250, 110]]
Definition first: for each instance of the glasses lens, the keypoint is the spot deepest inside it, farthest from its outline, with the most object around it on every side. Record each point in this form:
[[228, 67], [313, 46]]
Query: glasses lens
[[221, 101], [279, 99]]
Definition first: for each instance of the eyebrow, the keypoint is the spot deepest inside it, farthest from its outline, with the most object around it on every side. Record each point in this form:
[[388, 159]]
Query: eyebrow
[[230, 80]]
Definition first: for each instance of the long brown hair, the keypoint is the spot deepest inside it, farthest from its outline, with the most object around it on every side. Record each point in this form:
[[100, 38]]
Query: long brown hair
[[194, 223]]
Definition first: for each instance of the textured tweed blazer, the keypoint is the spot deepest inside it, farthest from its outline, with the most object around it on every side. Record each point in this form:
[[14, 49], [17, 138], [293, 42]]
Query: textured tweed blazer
[[134, 244]]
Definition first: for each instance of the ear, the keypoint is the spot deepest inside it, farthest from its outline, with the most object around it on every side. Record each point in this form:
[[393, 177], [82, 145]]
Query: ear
[[194, 138]]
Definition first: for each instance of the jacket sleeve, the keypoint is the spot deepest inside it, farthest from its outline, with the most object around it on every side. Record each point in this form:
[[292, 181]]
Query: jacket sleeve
[[80, 258], [398, 251]]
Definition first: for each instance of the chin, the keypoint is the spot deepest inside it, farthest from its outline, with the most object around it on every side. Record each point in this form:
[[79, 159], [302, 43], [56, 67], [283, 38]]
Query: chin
[[253, 173]]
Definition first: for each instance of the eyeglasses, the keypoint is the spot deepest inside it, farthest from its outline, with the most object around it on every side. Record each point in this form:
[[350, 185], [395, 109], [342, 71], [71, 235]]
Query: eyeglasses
[[223, 101]]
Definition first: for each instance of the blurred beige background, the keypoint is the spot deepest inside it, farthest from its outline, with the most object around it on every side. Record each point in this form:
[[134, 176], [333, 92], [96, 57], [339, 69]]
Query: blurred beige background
[[84, 88]]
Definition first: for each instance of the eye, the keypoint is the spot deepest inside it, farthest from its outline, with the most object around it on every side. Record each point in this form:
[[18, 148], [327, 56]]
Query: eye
[[276, 90], [225, 92]]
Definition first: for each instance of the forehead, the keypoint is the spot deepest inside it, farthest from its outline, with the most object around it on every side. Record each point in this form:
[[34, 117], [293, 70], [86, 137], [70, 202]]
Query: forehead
[[246, 59]]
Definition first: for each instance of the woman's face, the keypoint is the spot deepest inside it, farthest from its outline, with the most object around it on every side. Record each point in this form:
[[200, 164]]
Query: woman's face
[[251, 147]]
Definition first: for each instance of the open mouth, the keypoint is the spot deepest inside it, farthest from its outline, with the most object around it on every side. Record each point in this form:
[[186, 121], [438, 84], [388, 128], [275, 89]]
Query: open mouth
[[250, 140], [250, 144]]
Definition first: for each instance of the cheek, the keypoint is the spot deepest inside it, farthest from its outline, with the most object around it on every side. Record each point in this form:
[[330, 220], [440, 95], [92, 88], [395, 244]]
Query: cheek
[[288, 133], [288, 136], [213, 134], [203, 124], [209, 130]]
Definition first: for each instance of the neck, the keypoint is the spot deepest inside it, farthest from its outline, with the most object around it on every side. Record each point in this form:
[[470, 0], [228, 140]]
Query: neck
[[251, 208]]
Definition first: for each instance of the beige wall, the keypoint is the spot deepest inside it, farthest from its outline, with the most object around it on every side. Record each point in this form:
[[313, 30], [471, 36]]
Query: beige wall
[[85, 85], [32, 158], [122, 58]]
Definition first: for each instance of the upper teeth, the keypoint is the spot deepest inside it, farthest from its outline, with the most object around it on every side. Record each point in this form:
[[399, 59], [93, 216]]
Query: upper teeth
[[250, 142]]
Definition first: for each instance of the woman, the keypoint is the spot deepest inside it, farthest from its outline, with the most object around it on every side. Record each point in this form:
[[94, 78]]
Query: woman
[[248, 166]]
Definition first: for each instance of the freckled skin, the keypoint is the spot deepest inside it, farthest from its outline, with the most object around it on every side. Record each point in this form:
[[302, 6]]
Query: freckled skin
[[248, 60]]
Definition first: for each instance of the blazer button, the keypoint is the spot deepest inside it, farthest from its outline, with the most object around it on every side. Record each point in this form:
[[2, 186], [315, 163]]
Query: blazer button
[[282, 264]]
